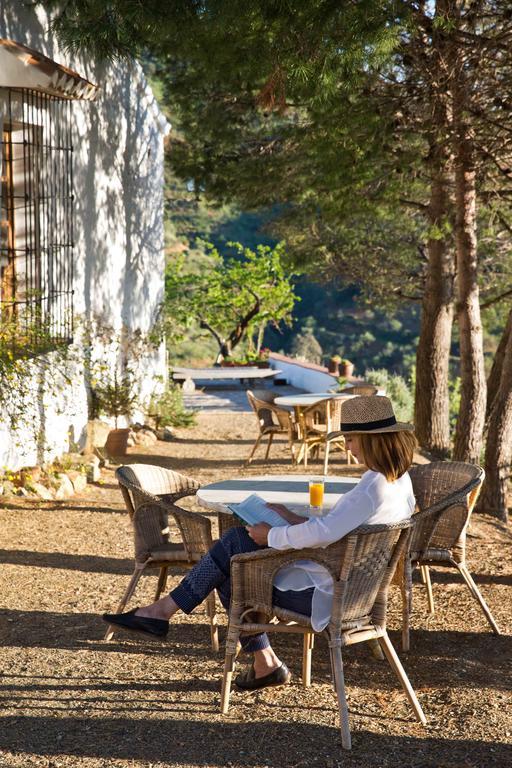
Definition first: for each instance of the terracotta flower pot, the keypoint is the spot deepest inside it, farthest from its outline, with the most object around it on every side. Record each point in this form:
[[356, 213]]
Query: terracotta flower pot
[[117, 442], [346, 369]]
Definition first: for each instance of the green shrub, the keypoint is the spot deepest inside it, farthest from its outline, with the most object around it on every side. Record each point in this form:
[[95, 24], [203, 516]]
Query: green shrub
[[306, 347], [397, 389], [167, 409]]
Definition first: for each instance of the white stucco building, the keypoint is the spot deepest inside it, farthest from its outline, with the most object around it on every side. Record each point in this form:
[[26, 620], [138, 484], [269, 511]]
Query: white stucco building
[[81, 238]]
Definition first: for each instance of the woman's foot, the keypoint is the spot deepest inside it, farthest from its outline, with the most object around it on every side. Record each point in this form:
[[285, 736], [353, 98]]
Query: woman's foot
[[266, 670], [163, 609], [248, 681], [152, 620], [265, 662], [135, 623]]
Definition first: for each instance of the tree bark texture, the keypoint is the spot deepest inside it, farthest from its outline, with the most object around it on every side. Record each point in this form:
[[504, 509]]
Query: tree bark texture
[[432, 407], [432, 403], [494, 378], [471, 418], [498, 452]]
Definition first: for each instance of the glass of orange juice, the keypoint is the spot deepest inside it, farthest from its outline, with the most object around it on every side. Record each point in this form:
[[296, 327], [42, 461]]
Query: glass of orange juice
[[316, 494]]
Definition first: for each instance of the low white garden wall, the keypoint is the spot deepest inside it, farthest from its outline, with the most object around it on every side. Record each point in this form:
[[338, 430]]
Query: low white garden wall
[[303, 375]]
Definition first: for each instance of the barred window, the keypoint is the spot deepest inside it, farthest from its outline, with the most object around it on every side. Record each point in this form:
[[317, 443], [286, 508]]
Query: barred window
[[36, 221]]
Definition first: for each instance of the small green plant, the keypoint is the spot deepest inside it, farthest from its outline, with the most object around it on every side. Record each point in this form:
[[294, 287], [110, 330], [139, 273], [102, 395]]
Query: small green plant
[[114, 397], [397, 389], [168, 409]]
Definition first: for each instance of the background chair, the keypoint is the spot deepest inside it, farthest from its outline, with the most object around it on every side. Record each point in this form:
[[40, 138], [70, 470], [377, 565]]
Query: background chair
[[272, 420], [361, 565], [446, 492], [150, 494], [317, 429]]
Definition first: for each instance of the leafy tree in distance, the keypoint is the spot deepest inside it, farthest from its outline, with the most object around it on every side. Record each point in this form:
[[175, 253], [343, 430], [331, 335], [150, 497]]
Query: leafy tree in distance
[[233, 298]]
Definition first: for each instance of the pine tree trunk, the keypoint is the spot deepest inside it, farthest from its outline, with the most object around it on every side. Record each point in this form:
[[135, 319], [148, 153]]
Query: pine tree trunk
[[432, 402], [471, 418], [494, 378], [498, 452], [432, 408]]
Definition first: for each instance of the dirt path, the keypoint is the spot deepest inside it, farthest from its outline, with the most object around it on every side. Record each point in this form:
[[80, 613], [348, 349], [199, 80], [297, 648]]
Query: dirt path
[[70, 700]]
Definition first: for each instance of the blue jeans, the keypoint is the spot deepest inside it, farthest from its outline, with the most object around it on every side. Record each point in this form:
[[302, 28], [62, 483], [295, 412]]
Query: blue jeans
[[213, 572]]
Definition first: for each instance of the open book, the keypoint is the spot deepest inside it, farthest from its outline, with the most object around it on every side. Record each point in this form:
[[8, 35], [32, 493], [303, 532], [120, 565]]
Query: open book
[[254, 510]]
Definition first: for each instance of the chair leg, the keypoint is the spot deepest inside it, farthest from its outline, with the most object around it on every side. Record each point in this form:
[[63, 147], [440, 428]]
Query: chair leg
[[478, 596], [229, 665], [270, 438], [396, 666], [127, 595], [425, 575], [337, 662], [211, 611], [258, 439], [307, 650], [162, 581], [406, 614], [326, 458], [376, 650]]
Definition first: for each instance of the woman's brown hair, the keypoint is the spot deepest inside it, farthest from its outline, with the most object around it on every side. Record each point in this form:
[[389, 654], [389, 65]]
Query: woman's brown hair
[[390, 453]]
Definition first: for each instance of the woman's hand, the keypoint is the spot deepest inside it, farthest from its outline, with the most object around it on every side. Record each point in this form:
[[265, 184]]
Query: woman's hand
[[259, 533], [287, 514]]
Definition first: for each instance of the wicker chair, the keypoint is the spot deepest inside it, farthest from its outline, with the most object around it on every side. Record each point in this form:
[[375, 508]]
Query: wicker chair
[[316, 429], [150, 494], [362, 565], [272, 420], [446, 493]]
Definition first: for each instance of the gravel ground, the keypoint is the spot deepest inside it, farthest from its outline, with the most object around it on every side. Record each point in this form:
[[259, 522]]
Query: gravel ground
[[70, 700]]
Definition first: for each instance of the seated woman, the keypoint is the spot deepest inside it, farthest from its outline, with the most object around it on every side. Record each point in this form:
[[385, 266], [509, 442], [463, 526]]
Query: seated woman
[[383, 495]]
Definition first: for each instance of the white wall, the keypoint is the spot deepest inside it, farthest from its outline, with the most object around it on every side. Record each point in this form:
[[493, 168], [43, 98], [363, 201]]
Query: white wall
[[303, 375], [118, 257]]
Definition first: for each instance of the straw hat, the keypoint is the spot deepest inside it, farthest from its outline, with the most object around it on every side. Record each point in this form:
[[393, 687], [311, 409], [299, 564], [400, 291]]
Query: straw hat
[[370, 414]]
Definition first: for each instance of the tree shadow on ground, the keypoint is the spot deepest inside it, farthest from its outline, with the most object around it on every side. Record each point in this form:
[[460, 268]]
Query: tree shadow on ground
[[85, 563], [452, 576], [221, 743], [467, 659]]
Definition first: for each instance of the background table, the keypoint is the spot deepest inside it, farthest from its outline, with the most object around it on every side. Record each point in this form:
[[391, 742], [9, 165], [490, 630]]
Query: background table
[[291, 490], [309, 398], [244, 373]]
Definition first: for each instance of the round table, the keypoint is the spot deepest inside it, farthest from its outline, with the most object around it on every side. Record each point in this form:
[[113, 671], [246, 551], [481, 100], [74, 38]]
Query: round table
[[291, 490], [309, 398]]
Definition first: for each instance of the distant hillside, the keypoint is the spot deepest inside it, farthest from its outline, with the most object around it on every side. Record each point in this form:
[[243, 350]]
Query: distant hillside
[[339, 320]]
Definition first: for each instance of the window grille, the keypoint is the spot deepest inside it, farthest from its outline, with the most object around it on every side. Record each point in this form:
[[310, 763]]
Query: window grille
[[36, 215]]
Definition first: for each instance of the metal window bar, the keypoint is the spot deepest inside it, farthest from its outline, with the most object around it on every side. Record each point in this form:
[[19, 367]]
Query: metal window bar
[[36, 237]]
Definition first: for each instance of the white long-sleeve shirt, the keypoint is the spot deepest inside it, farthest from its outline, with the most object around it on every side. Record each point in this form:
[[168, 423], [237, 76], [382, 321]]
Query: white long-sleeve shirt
[[374, 500]]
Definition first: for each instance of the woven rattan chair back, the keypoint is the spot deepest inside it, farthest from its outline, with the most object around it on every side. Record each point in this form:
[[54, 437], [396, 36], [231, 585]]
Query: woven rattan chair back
[[150, 493], [446, 493], [361, 565]]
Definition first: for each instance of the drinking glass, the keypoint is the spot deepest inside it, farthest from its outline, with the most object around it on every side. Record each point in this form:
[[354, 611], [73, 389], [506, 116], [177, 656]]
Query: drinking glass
[[316, 493]]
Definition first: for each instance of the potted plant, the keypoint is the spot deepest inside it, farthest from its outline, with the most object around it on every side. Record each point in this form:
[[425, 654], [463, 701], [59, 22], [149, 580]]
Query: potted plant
[[333, 365], [115, 398], [346, 368]]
